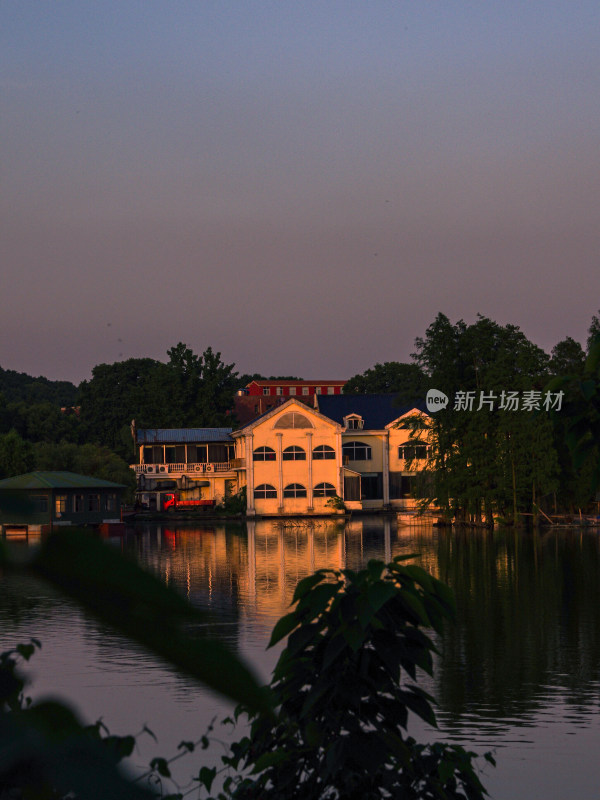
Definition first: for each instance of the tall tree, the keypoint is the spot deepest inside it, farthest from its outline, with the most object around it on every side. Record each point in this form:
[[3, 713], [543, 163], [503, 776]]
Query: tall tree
[[483, 460], [116, 394], [408, 381], [203, 387], [568, 358]]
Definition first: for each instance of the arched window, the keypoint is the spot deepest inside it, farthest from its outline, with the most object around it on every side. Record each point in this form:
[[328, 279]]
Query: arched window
[[294, 453], [294, 490], [324, 490], [293, 419], [323, 452], [264, 490], [264, 454], [356, 451]]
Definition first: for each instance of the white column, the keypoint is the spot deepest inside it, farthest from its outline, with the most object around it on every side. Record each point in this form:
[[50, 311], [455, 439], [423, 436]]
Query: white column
[[310, 477], [339, 461], [280, 465], [250, 474], [386, 469]]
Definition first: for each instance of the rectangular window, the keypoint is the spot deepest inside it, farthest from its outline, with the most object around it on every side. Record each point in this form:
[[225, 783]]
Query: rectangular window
[[40, 502], [305, 390], [330, 390], [60, 504], [412, 452], [266, 390], [94, 502], [318, 390], [292, 390], [78, 504], [110, 501], [279, 390]]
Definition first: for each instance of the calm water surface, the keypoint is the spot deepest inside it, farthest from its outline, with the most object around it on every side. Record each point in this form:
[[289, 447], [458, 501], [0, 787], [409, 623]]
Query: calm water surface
[[519, 674]]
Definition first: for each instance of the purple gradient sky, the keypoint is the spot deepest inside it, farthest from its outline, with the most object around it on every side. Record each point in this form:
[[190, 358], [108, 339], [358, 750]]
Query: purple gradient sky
[[302, 186]]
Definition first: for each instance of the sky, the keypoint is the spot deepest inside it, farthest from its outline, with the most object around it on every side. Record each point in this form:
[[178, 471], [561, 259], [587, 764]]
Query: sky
[[302, 187]]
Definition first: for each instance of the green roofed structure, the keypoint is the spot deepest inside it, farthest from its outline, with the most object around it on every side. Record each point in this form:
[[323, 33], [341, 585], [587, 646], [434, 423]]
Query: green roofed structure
[[39, 500]]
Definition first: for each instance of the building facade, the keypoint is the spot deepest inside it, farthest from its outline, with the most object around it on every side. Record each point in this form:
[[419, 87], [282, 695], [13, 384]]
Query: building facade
[[44, 499], [197, 463], [297, 460]]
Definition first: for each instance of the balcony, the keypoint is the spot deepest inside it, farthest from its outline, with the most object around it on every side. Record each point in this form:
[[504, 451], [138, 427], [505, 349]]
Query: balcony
[[176, 470]]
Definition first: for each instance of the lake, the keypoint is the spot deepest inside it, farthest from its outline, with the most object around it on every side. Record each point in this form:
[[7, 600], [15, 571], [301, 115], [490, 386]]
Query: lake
[[519, 672]]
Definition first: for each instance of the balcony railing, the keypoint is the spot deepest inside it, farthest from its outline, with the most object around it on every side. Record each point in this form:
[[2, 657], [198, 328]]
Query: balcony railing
[[180, 469]]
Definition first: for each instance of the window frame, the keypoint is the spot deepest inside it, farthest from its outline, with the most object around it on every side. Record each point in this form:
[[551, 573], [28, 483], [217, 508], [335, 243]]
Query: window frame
[[294, 490], [356, 445], [323, 452], [264, 453], [294, 453], [265, 491], [325, 491]]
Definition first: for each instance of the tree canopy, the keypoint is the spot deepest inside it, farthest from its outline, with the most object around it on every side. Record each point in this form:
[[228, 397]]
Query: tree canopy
[[408, 381]]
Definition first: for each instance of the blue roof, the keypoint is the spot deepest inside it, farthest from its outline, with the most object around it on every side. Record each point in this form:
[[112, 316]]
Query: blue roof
[[377, 410], [183, 435]]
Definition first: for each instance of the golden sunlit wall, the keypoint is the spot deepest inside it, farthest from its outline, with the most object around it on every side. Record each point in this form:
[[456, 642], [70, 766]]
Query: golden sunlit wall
[[284, 474]]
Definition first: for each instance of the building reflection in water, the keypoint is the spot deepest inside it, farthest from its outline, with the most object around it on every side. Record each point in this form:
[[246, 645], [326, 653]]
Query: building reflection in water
[[251, 571]]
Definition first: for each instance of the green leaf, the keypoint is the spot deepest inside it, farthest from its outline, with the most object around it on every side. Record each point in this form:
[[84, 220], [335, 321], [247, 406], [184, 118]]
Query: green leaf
[[306, 584], [207, 776], [284, 626], [335, 647], [161, 766], [379, 593], [416, 606], [269, 760]]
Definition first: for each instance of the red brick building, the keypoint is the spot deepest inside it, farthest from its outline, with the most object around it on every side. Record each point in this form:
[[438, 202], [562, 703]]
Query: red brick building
[[261, 396], [281, 388]]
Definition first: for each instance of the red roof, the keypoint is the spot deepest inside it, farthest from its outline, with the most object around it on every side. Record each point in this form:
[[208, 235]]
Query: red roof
[[299, 383]]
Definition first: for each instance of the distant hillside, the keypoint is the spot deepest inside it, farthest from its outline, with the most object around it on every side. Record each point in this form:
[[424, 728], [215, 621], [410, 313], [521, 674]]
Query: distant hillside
[[17, 386]]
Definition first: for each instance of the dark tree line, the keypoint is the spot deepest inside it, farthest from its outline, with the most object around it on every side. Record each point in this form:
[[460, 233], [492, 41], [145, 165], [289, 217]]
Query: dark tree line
[[485, 462]]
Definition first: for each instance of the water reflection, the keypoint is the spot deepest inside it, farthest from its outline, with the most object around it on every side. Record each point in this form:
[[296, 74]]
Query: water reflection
[[520, 670]]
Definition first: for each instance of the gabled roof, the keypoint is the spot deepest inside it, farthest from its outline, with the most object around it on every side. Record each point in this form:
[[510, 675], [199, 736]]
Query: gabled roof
[[293, 401], [182, 435], [377, 410], [56, 480]]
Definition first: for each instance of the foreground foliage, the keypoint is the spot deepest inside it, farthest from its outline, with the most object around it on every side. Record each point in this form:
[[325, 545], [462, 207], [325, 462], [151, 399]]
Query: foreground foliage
[[332, 723], [343, 689]]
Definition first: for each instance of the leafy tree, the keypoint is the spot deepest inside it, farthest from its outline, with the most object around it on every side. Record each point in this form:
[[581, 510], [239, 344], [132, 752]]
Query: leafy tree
[[116, 394], [593, 331], [87, 459], [568, 358], [18, 386], [579, 418], [343, 688], [486, 460], [408, 381], [190, 390], [16, 455], [43, 422]]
